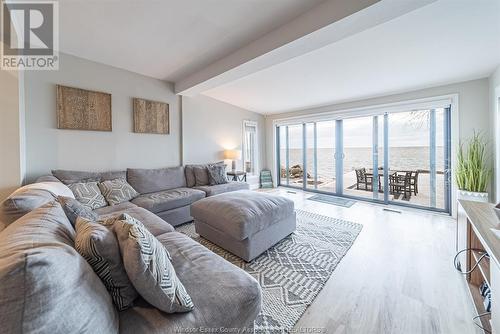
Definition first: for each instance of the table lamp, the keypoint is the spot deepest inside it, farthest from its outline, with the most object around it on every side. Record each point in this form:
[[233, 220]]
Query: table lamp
[[232, 155]]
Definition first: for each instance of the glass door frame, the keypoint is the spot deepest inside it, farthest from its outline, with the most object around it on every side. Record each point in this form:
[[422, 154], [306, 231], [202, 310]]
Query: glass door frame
[[339, 157]]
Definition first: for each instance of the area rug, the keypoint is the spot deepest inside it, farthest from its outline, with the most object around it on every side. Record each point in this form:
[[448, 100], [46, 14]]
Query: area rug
[[329, 199], [294, 271]]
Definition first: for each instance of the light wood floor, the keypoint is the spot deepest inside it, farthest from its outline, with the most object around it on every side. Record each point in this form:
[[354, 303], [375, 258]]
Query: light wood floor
[[398, 277]]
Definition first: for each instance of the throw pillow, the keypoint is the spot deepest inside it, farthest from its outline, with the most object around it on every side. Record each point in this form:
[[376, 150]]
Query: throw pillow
[[200, 175], [97, 243], [28, 198], [88, 194], [117, 191], [74, 209], [217, 174], [148, 266]]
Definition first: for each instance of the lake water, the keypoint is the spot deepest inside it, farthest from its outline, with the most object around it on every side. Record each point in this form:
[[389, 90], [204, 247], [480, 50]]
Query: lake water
[[400, 158]]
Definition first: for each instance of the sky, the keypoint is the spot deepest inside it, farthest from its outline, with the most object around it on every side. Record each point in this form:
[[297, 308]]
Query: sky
[[405, 130]]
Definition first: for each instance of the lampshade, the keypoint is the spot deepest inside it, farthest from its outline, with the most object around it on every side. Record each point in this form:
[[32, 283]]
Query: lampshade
[[232, 154]]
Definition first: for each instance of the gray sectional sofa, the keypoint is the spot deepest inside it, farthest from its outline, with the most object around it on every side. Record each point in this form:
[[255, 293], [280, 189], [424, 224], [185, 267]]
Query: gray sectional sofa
[[46, 286], [166, 192]]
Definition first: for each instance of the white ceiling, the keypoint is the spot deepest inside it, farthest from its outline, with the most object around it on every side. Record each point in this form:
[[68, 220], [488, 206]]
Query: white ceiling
[[168, 39], [447, 41]]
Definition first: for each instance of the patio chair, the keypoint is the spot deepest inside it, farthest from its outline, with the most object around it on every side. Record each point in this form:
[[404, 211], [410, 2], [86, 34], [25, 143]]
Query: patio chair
[[363, 179], [400, 182], [414, 182]]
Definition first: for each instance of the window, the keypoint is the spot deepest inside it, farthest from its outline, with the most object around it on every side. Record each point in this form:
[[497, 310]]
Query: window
[[250, 147], [400, 156]]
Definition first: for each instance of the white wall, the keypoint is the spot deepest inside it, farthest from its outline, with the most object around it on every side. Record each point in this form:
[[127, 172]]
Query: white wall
[[473, 108], [495, 126], [210, 126], [10, 131], [49, 148]]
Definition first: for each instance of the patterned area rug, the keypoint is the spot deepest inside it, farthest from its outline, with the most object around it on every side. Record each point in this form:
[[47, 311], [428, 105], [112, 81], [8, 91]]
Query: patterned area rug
[[294, 271]]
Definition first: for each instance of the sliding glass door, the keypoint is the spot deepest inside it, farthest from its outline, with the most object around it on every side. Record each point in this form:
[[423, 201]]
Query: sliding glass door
[[320, 159], [291, 155], [363, 157], [418, 158], [393, 158]]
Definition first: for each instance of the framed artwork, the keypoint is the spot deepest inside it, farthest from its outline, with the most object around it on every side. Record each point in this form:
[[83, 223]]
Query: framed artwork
[[151, 117], [81, 109]]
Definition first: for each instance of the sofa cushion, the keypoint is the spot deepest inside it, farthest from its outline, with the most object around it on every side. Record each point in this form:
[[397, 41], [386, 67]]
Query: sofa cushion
[[115, 209], [47, 178], [89, 194], [223, 188], [45, 285], [189, 173], [153, 223], [190, 176], [97, 243], [73, 176], [74, 209], [216, 174], [243, 213], [148, 266], [154, 180], [117, 191], [230, 297], [168, 199], [201, 175], [30, 197]]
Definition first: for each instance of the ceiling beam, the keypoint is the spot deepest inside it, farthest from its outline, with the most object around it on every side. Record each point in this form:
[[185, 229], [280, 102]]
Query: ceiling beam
[[326, 23]]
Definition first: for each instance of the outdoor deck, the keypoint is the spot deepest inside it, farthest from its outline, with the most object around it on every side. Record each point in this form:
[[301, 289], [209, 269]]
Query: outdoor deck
[[423, 197]]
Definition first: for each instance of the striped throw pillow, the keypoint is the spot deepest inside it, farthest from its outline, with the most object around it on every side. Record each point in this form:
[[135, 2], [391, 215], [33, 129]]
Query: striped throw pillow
[[97, 243], [148, 265]]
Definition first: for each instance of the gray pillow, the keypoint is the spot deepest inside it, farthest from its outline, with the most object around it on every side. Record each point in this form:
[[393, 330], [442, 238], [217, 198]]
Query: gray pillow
[[88, 194], [201, 173], [74, 209], [117, 191], [189, 173], [97, 243], [217, 174], [148, 266]]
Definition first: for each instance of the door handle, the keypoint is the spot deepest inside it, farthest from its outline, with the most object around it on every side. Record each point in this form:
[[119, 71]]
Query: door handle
[[342, 155]]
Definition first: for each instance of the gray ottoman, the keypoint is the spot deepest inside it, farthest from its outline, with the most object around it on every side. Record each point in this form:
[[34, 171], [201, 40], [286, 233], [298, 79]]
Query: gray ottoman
[[244, 222]]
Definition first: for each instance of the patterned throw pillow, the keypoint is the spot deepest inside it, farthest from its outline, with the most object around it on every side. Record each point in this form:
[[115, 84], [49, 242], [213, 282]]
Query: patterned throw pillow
[[97, 243], [217, 174], [88, 194], [148, 266], [74, 209], [117, 191]]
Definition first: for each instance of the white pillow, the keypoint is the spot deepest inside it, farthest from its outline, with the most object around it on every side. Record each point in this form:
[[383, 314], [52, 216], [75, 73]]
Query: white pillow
[[55, 188], [28, 198]]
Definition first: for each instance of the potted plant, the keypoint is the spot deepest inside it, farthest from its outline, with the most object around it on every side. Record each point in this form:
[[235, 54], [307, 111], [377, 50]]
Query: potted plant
[[473, 172]]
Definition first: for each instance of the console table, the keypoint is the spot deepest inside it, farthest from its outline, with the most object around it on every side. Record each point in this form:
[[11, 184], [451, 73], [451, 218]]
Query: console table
[[474, 223]]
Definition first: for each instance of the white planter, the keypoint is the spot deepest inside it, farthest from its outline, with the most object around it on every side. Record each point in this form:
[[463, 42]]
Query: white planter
[[473, 196]]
